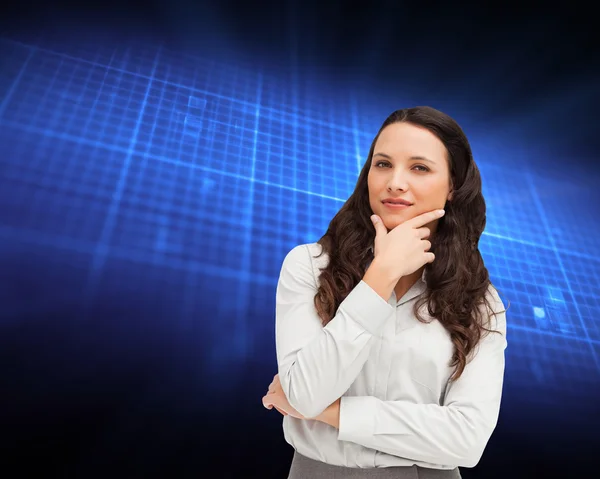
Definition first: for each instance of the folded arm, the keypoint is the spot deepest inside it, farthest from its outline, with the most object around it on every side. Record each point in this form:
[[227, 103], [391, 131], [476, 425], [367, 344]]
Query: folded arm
[[318, 364], [454, 433]]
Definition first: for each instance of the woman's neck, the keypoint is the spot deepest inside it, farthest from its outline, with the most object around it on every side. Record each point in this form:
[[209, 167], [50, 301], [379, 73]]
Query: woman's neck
[[407, 282]]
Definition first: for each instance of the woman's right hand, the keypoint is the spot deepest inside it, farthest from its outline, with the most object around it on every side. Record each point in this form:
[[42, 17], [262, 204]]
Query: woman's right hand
[[405, 248]]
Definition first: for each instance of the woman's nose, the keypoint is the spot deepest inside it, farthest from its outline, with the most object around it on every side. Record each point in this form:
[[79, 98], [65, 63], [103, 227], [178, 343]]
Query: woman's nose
[[398, 182]]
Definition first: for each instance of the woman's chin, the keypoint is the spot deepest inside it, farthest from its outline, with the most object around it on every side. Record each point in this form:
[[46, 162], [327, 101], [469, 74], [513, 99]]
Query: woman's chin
[[391, 223], [393, 219]]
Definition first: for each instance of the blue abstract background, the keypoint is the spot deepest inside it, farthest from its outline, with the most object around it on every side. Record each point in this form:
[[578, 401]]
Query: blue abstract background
[[150, 189]]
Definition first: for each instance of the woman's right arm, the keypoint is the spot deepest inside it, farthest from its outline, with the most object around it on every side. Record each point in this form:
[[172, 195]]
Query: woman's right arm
[[318, 364]]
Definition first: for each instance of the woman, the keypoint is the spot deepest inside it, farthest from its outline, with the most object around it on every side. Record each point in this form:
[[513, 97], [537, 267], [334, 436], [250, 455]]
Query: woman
[[390, 337]]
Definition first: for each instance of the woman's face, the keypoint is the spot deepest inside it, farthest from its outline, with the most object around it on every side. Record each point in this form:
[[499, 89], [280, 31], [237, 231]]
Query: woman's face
[[409, 163]]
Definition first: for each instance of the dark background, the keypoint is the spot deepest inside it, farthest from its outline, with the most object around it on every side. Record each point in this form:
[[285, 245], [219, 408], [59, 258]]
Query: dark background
[[123, 357]]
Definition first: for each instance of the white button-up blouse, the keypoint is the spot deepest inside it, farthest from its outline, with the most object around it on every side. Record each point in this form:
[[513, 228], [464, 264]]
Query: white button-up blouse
[[391, 371]]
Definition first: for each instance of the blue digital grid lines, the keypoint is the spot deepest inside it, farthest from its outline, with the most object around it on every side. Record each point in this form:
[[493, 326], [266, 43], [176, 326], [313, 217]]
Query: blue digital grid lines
[[546, 369], [14, 63], [108, 226], [510, 205], [557, 295], [277, 215], [189, 169], [572, 210]]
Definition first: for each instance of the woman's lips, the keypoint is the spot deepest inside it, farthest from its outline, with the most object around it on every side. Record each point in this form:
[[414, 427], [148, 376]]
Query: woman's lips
[[396, 206]]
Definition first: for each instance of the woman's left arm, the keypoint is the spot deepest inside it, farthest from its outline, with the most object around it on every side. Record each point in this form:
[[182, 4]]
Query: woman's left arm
[[453, 434]]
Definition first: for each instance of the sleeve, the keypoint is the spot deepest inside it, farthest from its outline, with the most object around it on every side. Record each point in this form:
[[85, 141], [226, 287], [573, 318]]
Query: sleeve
[[318, 364], [454, 433]]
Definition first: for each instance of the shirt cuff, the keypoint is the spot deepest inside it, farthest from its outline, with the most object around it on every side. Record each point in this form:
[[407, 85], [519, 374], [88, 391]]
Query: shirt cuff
[[367, 308], [357, 418]]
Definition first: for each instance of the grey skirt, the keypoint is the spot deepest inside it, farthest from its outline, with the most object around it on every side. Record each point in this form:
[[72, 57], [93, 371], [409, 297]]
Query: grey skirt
[[305, 468]]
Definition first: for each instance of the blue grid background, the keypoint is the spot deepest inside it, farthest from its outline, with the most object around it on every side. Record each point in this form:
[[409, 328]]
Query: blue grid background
[[151, 173]]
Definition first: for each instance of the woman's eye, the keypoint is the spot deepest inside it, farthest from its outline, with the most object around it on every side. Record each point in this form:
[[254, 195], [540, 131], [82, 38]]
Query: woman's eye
[[384, 164]]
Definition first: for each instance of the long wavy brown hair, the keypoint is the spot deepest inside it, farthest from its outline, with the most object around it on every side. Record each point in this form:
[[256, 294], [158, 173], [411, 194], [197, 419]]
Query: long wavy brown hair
[[457, 280]]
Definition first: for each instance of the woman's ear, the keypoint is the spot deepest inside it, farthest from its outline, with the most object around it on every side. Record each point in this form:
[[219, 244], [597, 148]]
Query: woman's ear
[[450, 196]]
